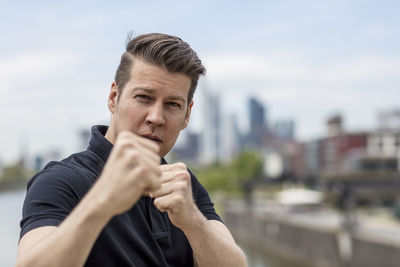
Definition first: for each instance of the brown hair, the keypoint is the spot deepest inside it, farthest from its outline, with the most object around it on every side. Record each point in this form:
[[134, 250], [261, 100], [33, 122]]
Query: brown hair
[[162, 50]]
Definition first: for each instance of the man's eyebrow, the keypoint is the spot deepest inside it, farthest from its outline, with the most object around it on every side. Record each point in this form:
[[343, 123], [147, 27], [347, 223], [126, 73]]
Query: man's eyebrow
[[177, 98], [147, 90]]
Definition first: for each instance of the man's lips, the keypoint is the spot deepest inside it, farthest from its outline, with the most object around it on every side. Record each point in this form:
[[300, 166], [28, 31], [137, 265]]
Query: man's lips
[[152, 137]]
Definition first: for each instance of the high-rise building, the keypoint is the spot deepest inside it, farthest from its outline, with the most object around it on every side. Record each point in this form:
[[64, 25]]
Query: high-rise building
[[256, 114], [284, 129], [231, 143], [188, 149], [211, 140], [257, 129]]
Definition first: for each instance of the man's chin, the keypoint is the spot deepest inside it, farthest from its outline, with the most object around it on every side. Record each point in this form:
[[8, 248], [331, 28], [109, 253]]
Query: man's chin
[[163, 152]]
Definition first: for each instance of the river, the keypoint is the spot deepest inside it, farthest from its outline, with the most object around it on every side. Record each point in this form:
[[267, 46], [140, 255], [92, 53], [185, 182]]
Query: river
[[10, 208]]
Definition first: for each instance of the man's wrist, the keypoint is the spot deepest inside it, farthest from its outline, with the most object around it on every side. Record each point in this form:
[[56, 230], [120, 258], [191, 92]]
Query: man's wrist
[[198, 222], [98, 205]]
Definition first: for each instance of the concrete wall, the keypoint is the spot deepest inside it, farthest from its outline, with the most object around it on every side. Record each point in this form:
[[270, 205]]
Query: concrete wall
[[314, 243], [375, 251]]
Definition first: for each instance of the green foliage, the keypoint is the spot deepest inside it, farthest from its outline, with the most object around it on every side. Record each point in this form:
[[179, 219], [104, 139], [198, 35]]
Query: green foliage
[[14, 174], [246, 166], [216, 178]]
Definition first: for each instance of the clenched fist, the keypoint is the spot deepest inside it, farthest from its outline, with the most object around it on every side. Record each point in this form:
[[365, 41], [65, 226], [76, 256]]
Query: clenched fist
[[132, 169], [175, 196]]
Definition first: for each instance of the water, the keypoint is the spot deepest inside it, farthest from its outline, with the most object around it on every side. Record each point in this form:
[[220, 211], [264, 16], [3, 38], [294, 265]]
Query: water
[[10, 208], [11, 212]]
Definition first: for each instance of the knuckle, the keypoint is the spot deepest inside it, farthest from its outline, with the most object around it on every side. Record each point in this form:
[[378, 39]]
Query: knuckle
[[184, 175], [179, 199], [133, 154], [158, 172], [181, 165], [145, 140], [159, 204], [122, 144], [181, 187], [141, 169]]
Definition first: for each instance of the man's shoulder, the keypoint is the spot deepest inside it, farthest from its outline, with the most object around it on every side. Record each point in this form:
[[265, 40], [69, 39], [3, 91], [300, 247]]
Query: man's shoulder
[[74, 164], [71, 170]]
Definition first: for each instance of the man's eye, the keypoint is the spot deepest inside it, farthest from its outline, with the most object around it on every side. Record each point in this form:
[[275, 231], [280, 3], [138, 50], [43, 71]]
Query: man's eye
[[143, 97], [174, 104]]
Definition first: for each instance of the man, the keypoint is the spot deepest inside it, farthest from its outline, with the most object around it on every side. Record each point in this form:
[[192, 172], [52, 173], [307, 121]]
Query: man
[[114, 204]]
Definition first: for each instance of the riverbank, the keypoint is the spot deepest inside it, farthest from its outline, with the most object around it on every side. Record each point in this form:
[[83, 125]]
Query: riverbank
[[320, 237], [12, 186]]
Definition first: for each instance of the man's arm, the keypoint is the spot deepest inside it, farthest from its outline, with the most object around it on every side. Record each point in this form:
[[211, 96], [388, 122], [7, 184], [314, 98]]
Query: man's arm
[[213, 245], [132, 169], [68, 244], [211, 241]]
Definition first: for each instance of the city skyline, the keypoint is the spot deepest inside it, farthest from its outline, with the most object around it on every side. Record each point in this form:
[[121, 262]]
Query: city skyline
[[305, 60], [224, 140]]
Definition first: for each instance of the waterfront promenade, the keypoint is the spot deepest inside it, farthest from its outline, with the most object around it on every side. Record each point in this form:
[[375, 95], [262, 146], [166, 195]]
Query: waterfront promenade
[[317, 237]]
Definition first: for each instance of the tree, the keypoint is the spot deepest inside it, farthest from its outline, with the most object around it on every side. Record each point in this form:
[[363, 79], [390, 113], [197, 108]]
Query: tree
[[245, 168], [14, 174], [248, 166]]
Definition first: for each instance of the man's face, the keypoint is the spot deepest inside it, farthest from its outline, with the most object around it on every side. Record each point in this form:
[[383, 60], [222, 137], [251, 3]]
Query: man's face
[[153, 104]]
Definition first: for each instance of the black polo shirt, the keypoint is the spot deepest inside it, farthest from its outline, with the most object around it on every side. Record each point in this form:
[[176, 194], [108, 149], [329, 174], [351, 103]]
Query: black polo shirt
[[142, 236]]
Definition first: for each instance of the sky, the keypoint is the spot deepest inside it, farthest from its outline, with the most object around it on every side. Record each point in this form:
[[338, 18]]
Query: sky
[[305, 60]]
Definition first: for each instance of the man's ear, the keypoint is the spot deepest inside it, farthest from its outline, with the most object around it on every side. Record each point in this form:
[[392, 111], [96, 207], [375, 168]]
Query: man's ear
[[189, 109], [113, 97]]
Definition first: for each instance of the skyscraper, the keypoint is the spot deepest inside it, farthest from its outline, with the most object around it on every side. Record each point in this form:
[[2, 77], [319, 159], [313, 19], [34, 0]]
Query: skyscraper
[[284, 129], [230, 142], [211, 140], [257, 129]]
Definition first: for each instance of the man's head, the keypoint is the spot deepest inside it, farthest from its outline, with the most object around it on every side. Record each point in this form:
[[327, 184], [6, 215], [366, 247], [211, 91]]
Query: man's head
[[153, 89], [162, 50]]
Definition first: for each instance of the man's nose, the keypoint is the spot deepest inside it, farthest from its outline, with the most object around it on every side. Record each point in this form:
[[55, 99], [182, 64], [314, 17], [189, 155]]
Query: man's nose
[[155, 115]]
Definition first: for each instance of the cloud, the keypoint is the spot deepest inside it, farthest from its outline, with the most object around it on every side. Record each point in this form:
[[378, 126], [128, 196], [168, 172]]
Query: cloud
[[248, 66], [32, 67], [362, 69], [286, 70], [379, 30]]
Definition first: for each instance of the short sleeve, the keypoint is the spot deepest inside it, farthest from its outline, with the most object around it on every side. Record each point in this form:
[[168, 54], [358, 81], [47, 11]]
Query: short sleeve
[[202, 199], [51, 196]]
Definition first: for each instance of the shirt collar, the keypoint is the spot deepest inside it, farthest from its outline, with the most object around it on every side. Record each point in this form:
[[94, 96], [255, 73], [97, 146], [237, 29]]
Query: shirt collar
[[98, 143]]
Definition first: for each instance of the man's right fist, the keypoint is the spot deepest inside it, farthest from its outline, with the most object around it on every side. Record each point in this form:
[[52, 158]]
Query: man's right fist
[[133, 168]]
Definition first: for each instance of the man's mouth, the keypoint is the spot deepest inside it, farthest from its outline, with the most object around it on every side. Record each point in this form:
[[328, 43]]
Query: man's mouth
[[151, 137]]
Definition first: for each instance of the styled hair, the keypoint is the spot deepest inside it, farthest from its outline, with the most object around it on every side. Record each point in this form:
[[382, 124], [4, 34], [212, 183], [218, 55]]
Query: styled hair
[[162, 50]]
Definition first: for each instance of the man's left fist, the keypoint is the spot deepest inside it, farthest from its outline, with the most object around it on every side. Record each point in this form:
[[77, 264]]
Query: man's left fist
[[175, 195]]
